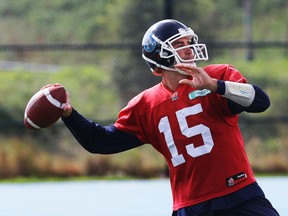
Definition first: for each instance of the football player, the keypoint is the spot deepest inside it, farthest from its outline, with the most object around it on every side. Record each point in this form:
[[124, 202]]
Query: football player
[[191, 118]]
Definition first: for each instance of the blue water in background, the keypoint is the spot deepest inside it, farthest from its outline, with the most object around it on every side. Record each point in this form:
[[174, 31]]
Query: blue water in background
[[109, 198]]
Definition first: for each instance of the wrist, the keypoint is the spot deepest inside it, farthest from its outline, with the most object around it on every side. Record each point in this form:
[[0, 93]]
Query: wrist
[[214, 85], [67, 111], [220, 87]]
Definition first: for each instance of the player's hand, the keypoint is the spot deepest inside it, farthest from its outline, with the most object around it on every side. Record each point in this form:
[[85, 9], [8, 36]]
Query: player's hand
[[67, 110], [200, 79], [49, 85]]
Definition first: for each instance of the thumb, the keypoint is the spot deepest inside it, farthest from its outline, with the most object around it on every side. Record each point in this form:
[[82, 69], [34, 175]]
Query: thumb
[[67, 110], [186, 81]]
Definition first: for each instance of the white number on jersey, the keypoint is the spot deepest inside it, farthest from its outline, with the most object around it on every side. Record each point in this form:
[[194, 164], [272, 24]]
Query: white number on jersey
[[200, 129]]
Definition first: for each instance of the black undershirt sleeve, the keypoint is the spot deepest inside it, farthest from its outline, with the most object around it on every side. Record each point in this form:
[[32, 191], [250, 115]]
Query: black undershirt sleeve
[[100, 139], [260, 103]]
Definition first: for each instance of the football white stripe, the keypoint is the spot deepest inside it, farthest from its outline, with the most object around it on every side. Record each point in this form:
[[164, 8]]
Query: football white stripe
[[31, 123], [53, 100]]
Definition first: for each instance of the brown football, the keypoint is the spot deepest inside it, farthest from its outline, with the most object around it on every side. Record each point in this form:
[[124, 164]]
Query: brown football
[[45, 107]]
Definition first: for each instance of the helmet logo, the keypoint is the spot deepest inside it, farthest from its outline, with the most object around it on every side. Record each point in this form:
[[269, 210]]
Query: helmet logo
[[182, 30], [164, 53], [149, 44]]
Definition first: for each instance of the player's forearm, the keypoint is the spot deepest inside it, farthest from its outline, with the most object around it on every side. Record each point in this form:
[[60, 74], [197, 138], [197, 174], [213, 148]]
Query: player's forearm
[[99, 139], [243, 97]]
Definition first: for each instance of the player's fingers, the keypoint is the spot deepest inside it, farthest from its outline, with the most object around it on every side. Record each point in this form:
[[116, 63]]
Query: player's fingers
[[57, 84], [67, 109], [46, 86], [49, 85], [188, 68], [186, 81]]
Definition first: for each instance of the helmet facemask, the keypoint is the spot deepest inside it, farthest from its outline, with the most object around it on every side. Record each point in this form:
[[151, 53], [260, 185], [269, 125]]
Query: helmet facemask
[[167, 50]]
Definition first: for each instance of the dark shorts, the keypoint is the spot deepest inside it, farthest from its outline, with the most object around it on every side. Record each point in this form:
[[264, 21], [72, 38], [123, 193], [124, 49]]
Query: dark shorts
[[255, 206]]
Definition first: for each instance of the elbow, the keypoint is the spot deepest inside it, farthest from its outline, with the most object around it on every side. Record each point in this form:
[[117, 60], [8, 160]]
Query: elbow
[[266, 104], [260, 106], [96, 148], [93, 149], [89, 146], [261, 101]]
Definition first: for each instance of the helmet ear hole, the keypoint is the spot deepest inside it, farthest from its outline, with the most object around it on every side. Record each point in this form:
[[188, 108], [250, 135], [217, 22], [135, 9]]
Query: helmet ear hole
[[157, 55], [168, 62]]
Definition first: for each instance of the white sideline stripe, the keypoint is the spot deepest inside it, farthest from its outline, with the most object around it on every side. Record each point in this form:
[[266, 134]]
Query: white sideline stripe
[[53, 100]]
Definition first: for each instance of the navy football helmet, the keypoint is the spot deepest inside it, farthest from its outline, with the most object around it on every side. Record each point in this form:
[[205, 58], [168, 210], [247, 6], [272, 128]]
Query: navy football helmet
[[157, 49]]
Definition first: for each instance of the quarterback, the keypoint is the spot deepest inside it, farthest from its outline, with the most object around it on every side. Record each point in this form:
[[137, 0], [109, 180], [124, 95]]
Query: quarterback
[[191, 118]]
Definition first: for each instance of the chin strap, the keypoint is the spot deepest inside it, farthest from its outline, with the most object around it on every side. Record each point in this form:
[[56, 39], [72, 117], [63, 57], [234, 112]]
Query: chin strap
[[241, 93]]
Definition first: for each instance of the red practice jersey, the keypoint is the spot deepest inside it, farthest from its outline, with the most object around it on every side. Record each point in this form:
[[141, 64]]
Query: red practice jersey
[[196, 133]]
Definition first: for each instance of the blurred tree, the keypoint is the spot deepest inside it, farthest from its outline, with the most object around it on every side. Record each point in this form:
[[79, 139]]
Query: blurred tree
[[133, 18]]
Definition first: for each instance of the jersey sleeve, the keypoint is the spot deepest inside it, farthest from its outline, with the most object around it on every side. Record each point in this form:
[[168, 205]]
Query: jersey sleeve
[[129, 120], [225, 72]]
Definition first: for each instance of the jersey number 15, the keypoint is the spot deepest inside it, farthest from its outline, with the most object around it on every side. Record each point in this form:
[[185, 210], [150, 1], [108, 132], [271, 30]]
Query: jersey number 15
[[200, 129]]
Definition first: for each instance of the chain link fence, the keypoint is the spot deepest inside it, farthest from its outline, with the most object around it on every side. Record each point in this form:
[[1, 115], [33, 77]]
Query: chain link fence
[[93, 48]]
